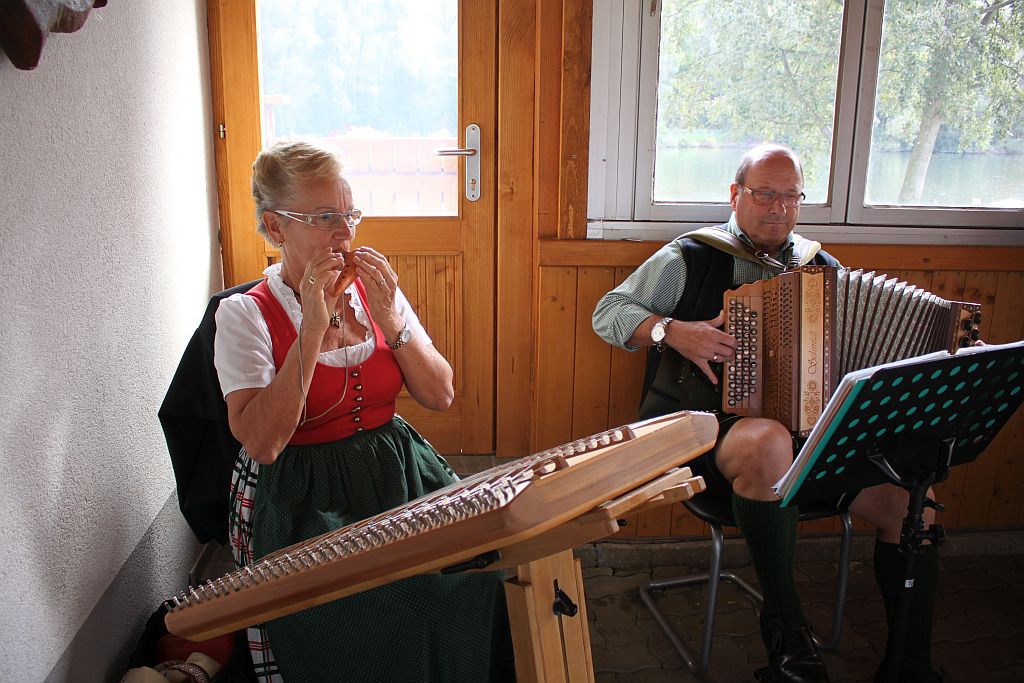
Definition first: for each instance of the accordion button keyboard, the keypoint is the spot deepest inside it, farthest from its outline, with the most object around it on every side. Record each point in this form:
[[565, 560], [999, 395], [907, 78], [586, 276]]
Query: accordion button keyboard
[[742, 371]]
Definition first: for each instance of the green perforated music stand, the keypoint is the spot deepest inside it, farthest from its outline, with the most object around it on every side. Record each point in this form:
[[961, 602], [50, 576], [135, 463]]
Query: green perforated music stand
[[907, 423], [901, 409]]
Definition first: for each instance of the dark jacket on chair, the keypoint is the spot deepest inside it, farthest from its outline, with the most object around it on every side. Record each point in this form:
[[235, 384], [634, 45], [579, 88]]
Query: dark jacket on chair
[[194, 418]]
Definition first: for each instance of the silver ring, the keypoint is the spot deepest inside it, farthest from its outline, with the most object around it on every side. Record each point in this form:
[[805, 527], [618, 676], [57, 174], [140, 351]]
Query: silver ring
[[312, 280], [714, 358]]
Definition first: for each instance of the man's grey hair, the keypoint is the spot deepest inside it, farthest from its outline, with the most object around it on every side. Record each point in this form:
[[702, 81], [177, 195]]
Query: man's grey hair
[[764, 151]]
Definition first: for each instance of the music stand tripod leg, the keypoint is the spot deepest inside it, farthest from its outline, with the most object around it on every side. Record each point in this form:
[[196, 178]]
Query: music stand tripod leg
[[913, 534]]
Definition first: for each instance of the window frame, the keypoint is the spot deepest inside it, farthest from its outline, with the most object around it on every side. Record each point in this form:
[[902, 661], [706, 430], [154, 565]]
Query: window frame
[[622, 153]]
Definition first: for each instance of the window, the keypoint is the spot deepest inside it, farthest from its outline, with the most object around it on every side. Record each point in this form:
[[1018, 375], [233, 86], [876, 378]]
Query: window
[[377, 81], [906, 113]]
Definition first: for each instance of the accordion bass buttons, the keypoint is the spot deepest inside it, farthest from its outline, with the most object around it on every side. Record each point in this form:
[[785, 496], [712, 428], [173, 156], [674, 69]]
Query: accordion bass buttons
[[970, 323]]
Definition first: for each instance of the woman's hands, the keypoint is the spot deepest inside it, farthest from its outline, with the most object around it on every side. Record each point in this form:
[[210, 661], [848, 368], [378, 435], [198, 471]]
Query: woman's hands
[[315, 290], [427, 375], [381, 283]]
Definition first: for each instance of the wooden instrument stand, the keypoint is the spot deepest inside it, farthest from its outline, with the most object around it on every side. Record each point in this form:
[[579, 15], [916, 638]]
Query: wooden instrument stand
[[547, 608], [548, 617]]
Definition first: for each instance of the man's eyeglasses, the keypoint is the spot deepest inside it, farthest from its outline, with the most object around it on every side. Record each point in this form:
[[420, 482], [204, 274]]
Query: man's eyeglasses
[[325, 221], [767, 197]]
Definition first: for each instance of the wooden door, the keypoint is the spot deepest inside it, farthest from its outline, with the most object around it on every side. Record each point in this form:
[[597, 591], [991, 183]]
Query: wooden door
[[445, 264]]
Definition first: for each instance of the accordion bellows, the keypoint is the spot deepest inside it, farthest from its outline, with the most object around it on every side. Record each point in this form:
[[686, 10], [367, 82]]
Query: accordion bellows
[[800, 332]]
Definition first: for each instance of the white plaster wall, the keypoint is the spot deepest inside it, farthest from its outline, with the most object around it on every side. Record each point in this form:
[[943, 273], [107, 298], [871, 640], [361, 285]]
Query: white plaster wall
[[107, 257]]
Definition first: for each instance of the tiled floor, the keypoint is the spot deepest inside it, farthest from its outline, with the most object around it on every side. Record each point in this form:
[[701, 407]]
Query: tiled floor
[[978, 627]]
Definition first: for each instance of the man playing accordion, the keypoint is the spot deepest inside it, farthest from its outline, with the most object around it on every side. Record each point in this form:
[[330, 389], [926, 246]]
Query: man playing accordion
[[672, 303]]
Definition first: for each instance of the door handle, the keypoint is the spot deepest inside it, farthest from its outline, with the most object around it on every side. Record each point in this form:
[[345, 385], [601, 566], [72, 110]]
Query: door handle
[[471, 152]]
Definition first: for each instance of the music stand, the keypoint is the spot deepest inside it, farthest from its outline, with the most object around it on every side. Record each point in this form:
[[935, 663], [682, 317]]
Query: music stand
[[907, 423]]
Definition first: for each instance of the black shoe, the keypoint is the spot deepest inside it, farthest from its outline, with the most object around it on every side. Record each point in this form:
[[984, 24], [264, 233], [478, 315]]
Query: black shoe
[[792, 657]]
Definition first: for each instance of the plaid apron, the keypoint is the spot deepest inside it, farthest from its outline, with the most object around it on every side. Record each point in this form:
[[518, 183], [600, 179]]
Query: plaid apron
[[243, 494]]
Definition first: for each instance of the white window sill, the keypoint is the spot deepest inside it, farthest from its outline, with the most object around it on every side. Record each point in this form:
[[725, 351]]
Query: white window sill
[[833, 234]]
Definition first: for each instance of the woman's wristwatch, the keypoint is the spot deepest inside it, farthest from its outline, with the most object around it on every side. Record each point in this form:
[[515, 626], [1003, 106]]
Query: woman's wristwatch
[[403, 338]]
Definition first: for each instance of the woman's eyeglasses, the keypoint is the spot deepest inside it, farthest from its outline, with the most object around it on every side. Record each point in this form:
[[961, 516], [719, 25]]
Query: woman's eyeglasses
[[325, 221]]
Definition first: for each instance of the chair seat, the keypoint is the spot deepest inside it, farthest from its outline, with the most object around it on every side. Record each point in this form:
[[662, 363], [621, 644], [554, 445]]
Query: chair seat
[[718, 510]]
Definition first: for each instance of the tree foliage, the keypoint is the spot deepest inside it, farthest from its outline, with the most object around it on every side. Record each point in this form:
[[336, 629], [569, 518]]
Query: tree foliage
[[737, 71], [338, 65]]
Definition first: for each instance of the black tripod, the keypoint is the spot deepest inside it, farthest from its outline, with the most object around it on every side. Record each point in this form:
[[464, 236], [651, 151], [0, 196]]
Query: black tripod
[[929, 462]]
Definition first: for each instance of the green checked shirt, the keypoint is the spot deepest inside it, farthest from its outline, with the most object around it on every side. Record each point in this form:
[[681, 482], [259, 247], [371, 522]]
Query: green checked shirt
[[657, 286]]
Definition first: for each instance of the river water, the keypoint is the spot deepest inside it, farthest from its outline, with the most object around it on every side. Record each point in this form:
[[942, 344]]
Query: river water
[[967, 180]]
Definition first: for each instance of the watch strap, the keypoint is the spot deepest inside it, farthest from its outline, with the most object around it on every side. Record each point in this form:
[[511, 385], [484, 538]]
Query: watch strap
[[663, 324], [403, 337]]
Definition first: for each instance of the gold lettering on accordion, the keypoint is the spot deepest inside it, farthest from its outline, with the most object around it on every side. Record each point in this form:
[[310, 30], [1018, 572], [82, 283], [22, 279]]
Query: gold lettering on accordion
[[811, 336]]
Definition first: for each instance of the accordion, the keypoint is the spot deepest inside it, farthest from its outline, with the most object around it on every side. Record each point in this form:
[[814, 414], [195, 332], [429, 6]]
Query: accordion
[[799, 333]]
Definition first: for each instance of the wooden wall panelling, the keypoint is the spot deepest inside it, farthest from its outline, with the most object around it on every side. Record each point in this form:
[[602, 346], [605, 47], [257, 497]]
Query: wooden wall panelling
[[992, 489], [447, 307], [626, 380], [889, 258], [885, 258], [429, 283], [655, 522], [516, 225], [556, 332], [820, 526], [592, 357], [548, 114], [950, 284], [574, 136], [1008, 325], [979, 288], [685, 525], [625, 375], [921, 278]]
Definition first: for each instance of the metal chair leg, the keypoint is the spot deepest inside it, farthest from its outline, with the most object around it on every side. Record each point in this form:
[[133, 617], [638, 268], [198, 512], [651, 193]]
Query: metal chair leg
[[698, 663], [842, 582]]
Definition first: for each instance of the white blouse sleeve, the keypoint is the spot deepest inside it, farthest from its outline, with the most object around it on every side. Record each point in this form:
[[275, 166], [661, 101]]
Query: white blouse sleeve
[[406, 311], [242, 352]]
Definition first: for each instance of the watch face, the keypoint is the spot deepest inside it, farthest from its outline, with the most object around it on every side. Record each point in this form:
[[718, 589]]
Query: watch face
[[658, 332], [404, 335]]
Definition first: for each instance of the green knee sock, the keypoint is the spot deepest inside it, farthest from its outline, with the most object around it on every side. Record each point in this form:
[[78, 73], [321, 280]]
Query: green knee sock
[[915, 663], [770, 532]]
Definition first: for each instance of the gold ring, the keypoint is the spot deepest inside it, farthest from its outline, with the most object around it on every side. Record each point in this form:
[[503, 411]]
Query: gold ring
[[380, 282], [714, 358], [312, 280]]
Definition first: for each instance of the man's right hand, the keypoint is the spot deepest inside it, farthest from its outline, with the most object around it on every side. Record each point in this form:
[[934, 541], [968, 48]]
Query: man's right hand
[[702, 342]]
